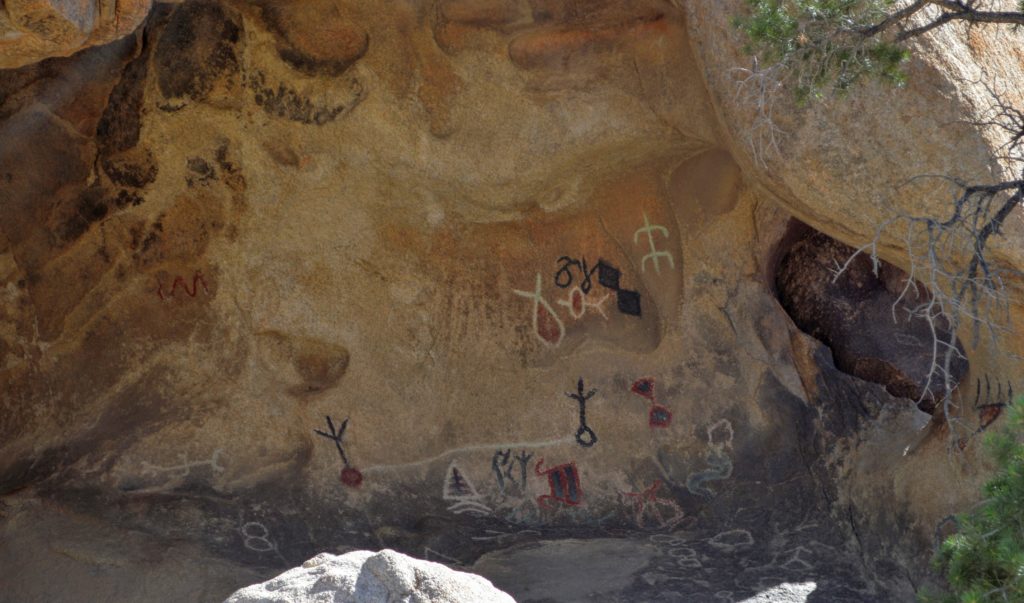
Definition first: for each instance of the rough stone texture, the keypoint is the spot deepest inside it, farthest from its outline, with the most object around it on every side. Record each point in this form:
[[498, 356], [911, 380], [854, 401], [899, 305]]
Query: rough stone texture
[[367, 577], [264, 296], [51, 553], [785, 593], [33, 30], [847, 165]]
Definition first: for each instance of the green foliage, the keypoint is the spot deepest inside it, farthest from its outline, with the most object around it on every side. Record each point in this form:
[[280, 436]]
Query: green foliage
[[825, 44], [984, 560]]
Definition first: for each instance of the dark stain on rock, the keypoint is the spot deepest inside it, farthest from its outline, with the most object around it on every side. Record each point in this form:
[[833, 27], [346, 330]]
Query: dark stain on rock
[[25, 472], [231, 173], [125, 198], [131, 169], [196, 50], [119, 127], [200, 170], [311, 66], [117, 133], [286, 102], [305, 364], [91, 205], [144, 241], [224, 162]]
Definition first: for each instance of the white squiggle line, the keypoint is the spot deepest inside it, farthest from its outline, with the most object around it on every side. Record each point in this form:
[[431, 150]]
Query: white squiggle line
[[150, 469], [474, 448]]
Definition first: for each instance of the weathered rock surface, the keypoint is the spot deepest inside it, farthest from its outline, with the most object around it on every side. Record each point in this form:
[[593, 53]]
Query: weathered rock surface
[[367, 577], [34, 30], [470, 280]]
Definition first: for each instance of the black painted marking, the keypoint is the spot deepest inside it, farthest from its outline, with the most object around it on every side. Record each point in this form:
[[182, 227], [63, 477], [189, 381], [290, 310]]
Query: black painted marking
[[504, 462], [585, 436], [628, 301], [990, 410], [564, 276], [336, 436], [608, 275], [457, 485]]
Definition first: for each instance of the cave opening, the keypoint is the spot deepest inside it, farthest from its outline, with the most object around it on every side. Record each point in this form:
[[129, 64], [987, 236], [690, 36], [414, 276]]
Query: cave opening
[[866, 319]]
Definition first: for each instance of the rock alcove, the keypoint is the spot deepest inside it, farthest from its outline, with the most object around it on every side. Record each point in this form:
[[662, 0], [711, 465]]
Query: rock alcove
[[866, 317]]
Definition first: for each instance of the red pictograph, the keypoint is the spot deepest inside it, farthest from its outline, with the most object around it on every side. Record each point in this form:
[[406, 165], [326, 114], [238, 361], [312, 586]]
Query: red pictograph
[[350, 476], [197, 280], [563, 482], [648, 507], [659, 415]]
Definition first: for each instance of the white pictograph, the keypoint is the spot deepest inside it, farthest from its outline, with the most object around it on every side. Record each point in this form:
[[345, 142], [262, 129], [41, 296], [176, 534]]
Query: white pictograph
[[183, 469], [577, 302], [732, 540], [256, 538], [430, 554], [649, 230], [720, 436], [462, 493], [547, 326]]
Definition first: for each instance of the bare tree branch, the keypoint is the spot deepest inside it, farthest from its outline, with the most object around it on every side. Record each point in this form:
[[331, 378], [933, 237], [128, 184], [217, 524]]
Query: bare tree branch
[[952, 11]]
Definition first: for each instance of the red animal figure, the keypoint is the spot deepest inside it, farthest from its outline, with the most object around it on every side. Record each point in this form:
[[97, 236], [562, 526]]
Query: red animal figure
[[564, 485], [197, 279], [659, 415], [647, 503]]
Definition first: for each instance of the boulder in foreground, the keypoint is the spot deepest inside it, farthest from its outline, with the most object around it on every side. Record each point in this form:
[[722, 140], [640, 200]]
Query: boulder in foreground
[[367, 577]]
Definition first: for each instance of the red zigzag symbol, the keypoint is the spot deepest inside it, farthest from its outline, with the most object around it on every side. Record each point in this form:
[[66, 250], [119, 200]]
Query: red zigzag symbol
[[197, 280]]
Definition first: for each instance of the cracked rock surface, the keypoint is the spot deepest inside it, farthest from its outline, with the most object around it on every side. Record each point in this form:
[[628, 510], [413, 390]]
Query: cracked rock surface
[[490, 283]]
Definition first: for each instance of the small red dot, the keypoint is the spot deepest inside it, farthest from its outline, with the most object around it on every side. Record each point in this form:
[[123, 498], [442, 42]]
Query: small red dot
[[351, 477]]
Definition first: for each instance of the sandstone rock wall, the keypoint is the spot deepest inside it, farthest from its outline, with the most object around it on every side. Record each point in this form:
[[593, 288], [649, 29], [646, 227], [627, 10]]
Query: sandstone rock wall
[[450, 277]]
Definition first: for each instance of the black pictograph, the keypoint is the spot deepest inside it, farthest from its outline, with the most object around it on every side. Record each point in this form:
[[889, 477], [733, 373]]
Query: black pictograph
[[609, 276], [503, 464], [564, 275], [350, 476], [585, 436]]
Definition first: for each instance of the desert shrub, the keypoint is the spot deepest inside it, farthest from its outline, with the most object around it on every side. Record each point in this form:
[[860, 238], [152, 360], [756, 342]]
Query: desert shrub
[[984, 561]]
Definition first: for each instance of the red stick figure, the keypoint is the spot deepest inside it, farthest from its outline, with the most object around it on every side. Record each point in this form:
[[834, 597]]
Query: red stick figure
[[563, 482]]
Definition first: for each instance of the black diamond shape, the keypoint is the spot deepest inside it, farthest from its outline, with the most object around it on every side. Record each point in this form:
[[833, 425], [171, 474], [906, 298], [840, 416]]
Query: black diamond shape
[[629, 302], [608, 276]]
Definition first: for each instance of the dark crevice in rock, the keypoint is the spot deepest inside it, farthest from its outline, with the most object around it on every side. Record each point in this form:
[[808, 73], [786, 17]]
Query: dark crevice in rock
[[860, 314], [196, 52]]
